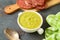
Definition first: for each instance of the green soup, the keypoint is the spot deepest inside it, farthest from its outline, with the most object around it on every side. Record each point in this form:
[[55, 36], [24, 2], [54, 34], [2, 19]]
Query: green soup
[[29, 20]]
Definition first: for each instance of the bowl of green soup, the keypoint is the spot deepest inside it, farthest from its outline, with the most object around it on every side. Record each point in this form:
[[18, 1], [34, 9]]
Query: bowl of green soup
[[29, 21]]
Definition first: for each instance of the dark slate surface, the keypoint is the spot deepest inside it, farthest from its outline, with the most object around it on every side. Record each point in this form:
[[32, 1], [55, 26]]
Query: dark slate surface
[[10, 21]]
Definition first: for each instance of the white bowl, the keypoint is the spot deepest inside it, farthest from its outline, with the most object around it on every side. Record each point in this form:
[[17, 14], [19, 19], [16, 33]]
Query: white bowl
[[30, 30]]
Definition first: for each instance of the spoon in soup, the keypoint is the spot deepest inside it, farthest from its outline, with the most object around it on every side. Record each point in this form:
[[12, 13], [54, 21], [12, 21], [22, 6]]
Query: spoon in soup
[[11, 34]]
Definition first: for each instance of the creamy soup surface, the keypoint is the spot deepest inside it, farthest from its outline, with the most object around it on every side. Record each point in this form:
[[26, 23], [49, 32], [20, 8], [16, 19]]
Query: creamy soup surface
[[29, 20]]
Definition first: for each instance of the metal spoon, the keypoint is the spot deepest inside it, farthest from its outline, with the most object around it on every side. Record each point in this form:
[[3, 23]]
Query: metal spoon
[[11, 34]]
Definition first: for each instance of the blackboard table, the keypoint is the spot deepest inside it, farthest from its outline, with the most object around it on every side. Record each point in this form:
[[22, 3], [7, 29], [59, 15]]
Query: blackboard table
[[10, 21]]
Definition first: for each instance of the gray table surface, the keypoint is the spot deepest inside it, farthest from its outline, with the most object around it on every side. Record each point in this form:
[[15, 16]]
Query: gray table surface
[[10, 21]]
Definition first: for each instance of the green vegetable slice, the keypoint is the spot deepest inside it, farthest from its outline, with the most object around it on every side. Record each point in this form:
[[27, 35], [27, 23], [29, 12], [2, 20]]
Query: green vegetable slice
[[51, 20], [58, 15], [51, 37], [54, 20], [58, 36], [49, 31], [53, 32]]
